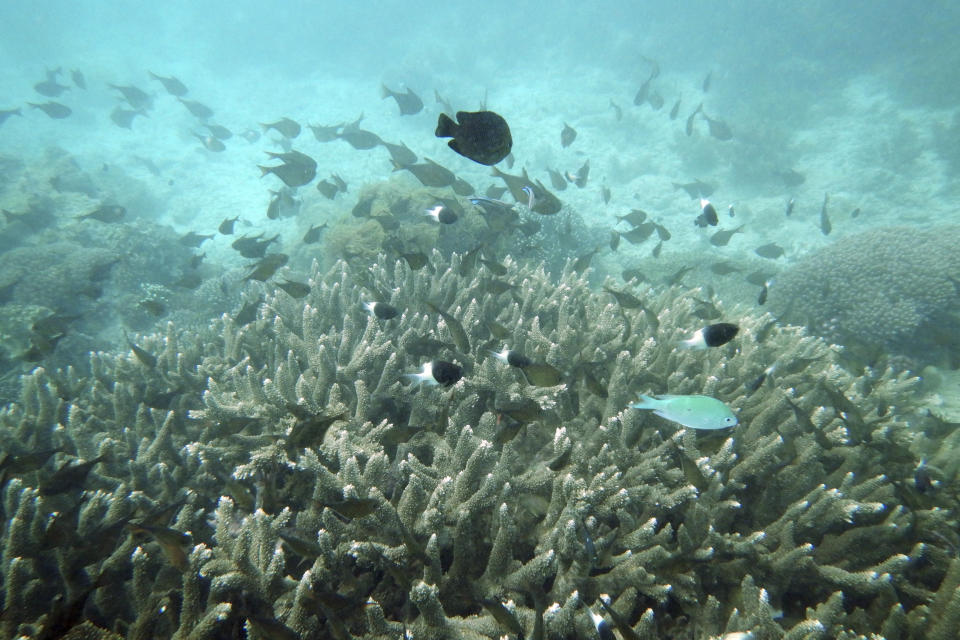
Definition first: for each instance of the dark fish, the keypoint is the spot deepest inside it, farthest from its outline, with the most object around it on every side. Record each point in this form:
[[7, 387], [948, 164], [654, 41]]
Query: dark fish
[[399, 153], [757, 382], [633, 274], [194, 239], [219, 132], [617, 111], [689, 127], [614, 240], [567, 136], [267, 266], [328, 189], [173, 86], [639, 233], [604, 629], [353, 507], [226, 227], [313, 233], [457, 332], [273, 208], [462, 188], [605, 194], [557, 181], [442, 101], [855, 213], [153, 307], [714, 335], [770, 250], [481, 136], [210, 143], [69, 476], [722, 237], [439, 372], [298, 168], [294, 289], [675, 109], [624, 299], [723, 268], [644, 91], [145, 357], [923, 480], [718, 128], [655, 252], [381, 310], [503, 616], [358, 138], [77, 76], [580, 177], [6, 113], [825, 226], [708, 214], [50, 87], [106, 213], [696, 189], [635, 217], [790, 204], [248, 312], [325, 133], [123, 118], [442, 213], [196, 260], [135, 97], [512, 358], [55, 110], [416, 260], [542, 375], [583, 261], [663, 233], [791, 178], [429, 173], [284, 126], [408, 102], [496, 329], [198, 109], [26, 462], [762, 298]]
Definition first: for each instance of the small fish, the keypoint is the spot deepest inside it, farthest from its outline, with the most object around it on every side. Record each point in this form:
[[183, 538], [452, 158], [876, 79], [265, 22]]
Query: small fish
[[217, 131], [605, 194], [722, 237], [248, 312], [50, 87], [381, 310], [690, 118], [297, 169], [267, 266], [145, 357], [123, 118], [198, 109], [791, 177], [135, 97], [457, 332], [399, 153], [77, 76], [604, 630], [429, 173], [442, 214], [106, 213], [210, 143], [708, 214], [855, 213], [359, 139], [408, 102], [54, 110], [639, 233], [790, 204], [252, 246], [923, 480], [173, 86], [696, 189], [644, 91], [542, 375], [730, 211], [494, 267], [153, 307], [286, 127], [438, 372], [354, 507], [706, 81], [655, 100], [617, 111], [328, 189], [481, 136], [825, 226], [512, 358], [757, 382], [655, 252], [294, 289], [624, 299], [635, 217], [662, 232], [557, 180], [724, 268], [714, 335], [675, 109], [567, 136], [71, 475], [6, 113], [614, 240], [696, 412], [313, 233], [226, 227], [194, 239], [771, 251], [764, 291], [580, 177], [718, 128], [416, 260]]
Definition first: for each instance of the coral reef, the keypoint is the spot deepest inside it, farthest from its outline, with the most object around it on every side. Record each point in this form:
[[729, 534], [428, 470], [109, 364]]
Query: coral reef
[[282, 479], [893, 288]]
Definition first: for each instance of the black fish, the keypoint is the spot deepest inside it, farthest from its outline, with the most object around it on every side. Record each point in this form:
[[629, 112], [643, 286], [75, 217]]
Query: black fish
[[696, 189], [718, 128], [635, 217], [399, 153], [219, 132], [198, 109], [313, 233], [512, 358], [325, 133], [409, 102], [77, 76], [173, 86], [481, 136], [557, 181], [825, 226], [690, 118], [252, 246], [135, 97], [123, 118], [248, 312], [226, 227], [54, 110], [298, 168], [568, 135], [723, 268], [67, 477], [442, 213], [770, 250], [714, 335], [722, 237], [267, 266], [145, 357], [50, 87], [153, 307], [294, 289], [285, 126], [429, 173], [708, 214], [328, 189], [639, 233], [194, 239], [542, 375], [381, 310], [580, 177], [762, 298], [106, 213]]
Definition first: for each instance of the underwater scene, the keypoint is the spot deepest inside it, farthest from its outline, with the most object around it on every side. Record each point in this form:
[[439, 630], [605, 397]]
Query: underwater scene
[[501, 320]]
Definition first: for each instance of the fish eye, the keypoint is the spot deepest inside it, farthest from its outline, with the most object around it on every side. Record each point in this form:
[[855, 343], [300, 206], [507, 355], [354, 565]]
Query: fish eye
[[730, 420]]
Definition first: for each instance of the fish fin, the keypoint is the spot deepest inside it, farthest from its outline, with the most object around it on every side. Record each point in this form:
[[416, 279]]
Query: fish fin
[[264, 170], [384, 92], [453, 145], [446, 128]]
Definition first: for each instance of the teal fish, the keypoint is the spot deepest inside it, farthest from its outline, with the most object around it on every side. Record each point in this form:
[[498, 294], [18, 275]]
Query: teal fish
[[696, 412]]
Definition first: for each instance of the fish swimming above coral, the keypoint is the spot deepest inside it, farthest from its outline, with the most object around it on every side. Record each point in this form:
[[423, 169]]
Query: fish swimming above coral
[[714, 335], [408, 102], [696, 412], [437, 372], [297, 169], [481, 136]]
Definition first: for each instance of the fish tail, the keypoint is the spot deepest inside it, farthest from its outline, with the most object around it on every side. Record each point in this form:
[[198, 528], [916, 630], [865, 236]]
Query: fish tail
[[384, 92], [264, 170], [446, 128]]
